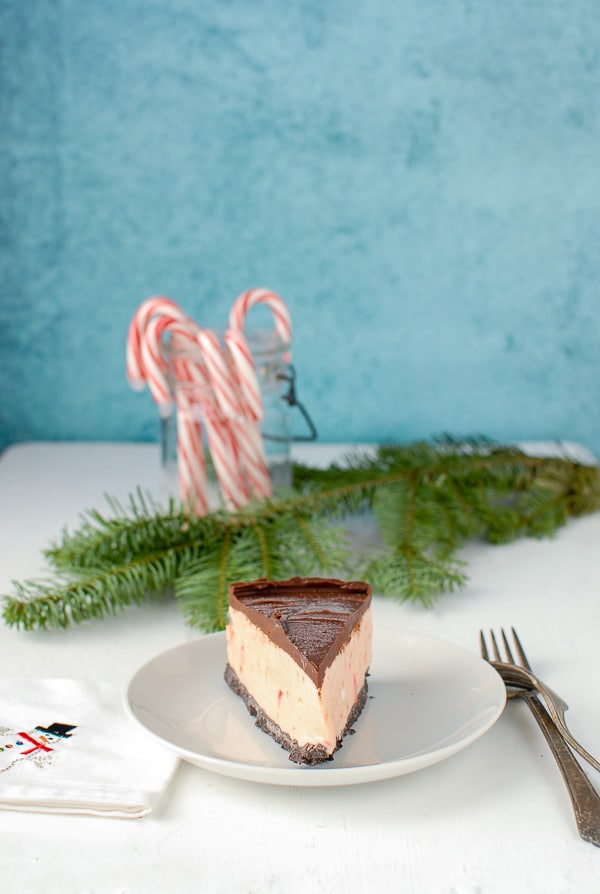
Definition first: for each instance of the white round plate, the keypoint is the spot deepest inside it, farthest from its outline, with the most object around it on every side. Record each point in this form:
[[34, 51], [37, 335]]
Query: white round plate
[[429, 699]]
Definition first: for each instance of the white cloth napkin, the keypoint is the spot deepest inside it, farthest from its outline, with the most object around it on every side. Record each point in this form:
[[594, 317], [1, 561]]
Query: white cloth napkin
[[68, 746]]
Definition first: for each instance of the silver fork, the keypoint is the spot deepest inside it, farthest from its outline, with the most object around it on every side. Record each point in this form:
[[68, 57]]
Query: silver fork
[[518, 673], [584, 797]]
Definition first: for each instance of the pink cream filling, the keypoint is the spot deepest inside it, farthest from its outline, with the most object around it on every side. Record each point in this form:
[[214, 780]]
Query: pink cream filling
[[288, 695]]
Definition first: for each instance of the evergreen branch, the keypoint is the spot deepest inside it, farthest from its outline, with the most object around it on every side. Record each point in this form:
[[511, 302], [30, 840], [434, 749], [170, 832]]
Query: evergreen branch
[[142, 528], [81, 597], [427, 500], [408, 575], [280, 549]]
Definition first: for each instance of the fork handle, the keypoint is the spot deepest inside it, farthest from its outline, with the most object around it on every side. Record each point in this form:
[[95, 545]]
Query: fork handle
[[553, 704], [584, 797]]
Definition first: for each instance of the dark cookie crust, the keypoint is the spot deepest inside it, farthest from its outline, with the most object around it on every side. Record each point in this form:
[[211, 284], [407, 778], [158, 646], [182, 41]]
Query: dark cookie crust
[[305, 754]]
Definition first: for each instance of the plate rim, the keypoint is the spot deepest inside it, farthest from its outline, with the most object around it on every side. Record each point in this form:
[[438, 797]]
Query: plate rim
[[322, 775]]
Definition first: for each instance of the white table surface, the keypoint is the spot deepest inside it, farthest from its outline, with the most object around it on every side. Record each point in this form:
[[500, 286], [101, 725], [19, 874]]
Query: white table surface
[[493, 818]]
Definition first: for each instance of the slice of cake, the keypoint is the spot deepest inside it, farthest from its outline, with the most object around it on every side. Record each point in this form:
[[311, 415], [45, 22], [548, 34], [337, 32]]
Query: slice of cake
[[298, 652]]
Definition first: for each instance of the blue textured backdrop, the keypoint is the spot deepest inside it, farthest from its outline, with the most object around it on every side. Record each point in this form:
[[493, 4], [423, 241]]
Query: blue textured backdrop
[[419, 180]]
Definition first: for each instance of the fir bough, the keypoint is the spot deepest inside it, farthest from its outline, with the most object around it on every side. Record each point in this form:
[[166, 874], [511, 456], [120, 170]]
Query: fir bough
[[427, 499]]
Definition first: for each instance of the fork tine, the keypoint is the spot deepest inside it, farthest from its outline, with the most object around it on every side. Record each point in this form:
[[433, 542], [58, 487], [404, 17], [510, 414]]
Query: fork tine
[[509, 653], [520, 651], [495, 648], [483, 647]]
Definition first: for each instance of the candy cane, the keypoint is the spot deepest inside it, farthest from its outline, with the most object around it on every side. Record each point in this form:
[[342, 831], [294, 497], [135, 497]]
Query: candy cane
[[192, 389], [245, 374], [252, 473], [281, 315], [153, 362], [187, 362], [224, 454], [220, 374], [158, 305], [190, 455], [250, 450], [154, 368], [243, 365], [252, 458], [240, 354], [227, 462]]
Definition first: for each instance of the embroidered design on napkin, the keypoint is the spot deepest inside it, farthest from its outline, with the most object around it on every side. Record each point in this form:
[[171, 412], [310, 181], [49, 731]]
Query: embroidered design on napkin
[[36, 745]]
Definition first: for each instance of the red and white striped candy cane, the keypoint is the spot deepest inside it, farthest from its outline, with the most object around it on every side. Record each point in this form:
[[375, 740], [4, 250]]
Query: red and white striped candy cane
[[252, 457], [158, 305], [242, 365], [220, 374], [153, 364], [240, 466], [224, 453], [239, 351], [192, 390], [277, 306], [190, 455], [187, 362], [153, 361], [252, 464]]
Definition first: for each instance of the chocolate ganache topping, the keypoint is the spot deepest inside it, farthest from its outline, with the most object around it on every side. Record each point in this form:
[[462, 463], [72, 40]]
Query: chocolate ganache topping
[[310, 617]]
